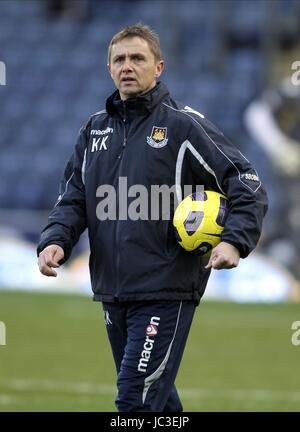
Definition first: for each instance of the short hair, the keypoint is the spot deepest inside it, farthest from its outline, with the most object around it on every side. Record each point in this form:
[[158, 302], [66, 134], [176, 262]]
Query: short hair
[[138, 30]]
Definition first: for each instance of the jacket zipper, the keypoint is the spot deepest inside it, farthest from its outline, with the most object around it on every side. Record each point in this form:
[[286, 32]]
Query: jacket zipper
[[120, 157], [124, 141]]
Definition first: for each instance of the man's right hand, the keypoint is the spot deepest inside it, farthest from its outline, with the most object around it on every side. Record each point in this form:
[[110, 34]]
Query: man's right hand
[[49, 258]]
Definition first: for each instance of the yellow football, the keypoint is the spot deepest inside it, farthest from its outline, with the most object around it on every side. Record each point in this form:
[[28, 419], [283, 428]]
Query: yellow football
[[199, 221]]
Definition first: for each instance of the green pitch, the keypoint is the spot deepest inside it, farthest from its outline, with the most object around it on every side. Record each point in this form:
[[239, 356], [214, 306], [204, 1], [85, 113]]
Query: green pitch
[[57, 357]]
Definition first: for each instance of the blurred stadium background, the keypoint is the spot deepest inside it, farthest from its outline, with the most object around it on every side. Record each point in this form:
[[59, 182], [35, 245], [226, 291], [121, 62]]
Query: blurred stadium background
[[231, 60]]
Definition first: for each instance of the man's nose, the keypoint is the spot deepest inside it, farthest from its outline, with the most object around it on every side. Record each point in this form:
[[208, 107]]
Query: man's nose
[[127, 65]]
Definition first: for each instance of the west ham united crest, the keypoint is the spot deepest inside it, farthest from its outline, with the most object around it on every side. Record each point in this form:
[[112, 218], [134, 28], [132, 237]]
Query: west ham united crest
[[158, 137]]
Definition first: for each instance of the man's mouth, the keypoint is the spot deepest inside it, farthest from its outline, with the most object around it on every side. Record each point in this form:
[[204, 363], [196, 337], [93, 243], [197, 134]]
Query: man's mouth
[[128, 80]]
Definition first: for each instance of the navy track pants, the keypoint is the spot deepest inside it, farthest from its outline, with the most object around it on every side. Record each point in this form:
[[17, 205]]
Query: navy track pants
[[147, 340]]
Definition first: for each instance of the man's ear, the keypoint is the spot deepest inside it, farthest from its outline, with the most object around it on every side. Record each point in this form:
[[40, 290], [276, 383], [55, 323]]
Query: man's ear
[[108, 68], [159, 68]]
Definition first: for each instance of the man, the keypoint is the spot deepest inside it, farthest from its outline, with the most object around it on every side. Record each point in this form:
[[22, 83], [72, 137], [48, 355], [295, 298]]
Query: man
[[148, 285]]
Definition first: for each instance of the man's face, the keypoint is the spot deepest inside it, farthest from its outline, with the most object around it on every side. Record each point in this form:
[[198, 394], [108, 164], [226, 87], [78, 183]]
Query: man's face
[[133, 67]]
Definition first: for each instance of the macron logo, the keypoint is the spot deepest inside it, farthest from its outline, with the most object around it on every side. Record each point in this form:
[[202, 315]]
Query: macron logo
[[102, 132], [151, 330]]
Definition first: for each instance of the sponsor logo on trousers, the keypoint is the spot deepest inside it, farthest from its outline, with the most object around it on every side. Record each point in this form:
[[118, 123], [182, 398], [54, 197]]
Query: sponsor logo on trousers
[[151, 330]]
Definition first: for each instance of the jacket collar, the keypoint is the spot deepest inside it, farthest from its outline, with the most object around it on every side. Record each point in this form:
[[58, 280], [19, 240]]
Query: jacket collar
[[139, 105]]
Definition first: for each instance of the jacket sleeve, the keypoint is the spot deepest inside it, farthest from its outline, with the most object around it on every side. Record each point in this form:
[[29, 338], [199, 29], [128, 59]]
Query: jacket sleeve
[[232, 174], [67, 220]]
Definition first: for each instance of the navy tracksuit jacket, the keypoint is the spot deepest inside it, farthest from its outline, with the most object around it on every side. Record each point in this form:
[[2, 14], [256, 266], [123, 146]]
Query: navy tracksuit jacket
[[151, 140]]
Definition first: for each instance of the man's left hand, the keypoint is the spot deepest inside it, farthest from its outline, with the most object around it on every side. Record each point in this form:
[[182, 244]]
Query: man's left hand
[[224, 256]]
